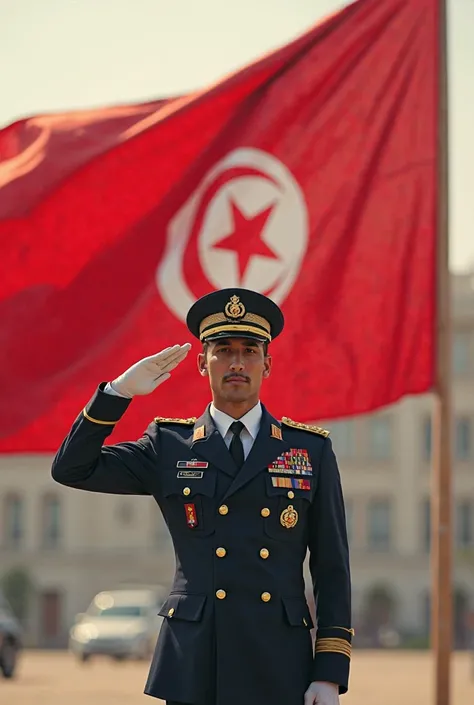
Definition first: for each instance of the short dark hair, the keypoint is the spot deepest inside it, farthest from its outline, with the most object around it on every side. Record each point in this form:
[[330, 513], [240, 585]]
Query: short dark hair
[[205, 347]]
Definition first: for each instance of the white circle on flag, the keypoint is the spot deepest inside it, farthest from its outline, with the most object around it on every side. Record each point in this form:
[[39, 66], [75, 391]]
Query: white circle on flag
[[245, 225]]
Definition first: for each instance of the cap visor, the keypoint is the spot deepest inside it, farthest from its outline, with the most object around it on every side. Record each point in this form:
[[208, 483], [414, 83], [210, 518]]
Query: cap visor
[[236, 334]]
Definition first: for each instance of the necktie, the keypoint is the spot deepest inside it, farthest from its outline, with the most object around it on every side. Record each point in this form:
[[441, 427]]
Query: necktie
[[236, 448]]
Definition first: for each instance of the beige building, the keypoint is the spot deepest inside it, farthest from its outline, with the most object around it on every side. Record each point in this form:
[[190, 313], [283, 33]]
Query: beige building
[[58, 547]]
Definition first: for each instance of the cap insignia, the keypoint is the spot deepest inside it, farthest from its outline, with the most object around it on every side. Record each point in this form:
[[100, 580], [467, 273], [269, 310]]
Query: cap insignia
[[234, 308]]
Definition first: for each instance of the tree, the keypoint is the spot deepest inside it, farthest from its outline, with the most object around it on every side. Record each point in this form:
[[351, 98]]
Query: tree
[[17, 588]]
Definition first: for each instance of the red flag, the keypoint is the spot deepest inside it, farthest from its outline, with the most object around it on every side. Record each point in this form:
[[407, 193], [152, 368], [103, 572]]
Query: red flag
[[309, 175]]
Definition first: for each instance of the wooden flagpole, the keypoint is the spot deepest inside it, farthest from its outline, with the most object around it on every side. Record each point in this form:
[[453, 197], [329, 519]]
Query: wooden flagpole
[[441, 530]]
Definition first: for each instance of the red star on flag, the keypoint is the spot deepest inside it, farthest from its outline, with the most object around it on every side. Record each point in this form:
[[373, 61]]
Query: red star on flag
[[246, 238]]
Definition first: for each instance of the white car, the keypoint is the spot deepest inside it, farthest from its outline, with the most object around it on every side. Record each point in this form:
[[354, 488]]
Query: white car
[[121, 623]]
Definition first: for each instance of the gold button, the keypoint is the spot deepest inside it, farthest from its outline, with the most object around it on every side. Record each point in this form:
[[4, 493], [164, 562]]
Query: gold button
[[171, 612], [305, 622], [265, 512], [223, 509], [186, 491], [291, 494], [220, 552], [266, 597], [221, 594], [264, 553]]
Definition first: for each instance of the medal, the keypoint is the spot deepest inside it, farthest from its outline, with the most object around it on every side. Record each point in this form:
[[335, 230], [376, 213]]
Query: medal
[[289, 517], [298, 483], [293, 462]]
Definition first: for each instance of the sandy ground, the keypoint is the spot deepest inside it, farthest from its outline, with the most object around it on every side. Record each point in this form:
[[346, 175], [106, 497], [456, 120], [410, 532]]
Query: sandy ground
[[378, 678]]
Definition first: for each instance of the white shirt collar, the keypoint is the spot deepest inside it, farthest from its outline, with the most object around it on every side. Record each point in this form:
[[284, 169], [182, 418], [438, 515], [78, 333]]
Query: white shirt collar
[[251, 420]]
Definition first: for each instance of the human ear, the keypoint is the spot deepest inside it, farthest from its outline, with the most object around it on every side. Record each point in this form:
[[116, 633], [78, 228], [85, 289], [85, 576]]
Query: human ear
[[267, 366], [202, 365]]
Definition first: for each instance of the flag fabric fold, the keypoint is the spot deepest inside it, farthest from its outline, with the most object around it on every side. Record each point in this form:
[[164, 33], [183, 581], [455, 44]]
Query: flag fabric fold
[[310, 175]]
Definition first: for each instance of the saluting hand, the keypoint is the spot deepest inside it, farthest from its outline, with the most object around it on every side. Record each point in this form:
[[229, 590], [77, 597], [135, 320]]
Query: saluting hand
[[322, 693], [146, 375]]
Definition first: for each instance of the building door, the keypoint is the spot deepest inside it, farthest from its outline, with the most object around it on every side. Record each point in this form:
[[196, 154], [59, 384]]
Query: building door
[[51, 635]]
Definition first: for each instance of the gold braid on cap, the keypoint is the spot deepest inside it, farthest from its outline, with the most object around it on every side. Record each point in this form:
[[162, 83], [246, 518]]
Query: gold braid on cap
[[248, 323]]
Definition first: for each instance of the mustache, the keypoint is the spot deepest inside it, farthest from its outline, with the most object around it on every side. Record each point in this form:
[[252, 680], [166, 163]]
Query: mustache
[[236, 375]]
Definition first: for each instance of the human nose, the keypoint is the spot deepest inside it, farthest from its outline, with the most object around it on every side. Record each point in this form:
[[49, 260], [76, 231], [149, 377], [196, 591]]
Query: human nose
[[236, 362]]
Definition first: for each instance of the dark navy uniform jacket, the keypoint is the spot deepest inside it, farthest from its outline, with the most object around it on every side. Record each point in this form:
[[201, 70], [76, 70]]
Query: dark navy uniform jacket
[[236, 625]]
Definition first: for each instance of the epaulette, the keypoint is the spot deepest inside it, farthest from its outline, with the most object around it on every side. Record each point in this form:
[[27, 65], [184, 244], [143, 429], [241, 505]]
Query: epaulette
[[187, 422], [305, 427]]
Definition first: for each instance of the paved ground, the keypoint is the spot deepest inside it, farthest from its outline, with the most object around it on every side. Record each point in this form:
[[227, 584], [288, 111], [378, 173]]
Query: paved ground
[[379, 678]]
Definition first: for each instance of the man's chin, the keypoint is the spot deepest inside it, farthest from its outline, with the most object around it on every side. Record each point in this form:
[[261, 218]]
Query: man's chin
[[239, 393]]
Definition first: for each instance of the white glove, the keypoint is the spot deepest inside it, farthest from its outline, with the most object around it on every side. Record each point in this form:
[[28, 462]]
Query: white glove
[[322, 693], [146, 375]]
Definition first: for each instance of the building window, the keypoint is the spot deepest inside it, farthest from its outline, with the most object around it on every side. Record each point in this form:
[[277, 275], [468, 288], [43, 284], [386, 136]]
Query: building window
[[463, 438], [13, 520], [465, 524], [380, 437], [427, 438], [379, 525], [461, 356], [426, 525], [342, 434], [51, 521]]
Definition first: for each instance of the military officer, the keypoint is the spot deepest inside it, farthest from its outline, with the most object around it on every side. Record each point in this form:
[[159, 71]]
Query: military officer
[[244, 496]]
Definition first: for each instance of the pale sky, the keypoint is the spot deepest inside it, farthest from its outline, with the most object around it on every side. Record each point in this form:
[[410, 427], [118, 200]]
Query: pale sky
[[65, 54]]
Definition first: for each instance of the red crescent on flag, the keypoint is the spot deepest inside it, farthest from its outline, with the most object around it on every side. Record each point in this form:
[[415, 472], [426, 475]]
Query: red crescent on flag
[[194, 275]]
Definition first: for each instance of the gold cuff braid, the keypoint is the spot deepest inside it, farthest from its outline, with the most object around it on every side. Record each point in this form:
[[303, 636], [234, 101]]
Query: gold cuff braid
[[101, 423], [334, 646]]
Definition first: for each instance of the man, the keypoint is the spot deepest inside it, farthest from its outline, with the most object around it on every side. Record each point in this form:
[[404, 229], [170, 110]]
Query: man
[[244, 496]]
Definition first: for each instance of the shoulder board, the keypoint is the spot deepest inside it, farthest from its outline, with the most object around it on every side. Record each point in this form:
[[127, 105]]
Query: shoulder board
[[305, 427], [187, 422]]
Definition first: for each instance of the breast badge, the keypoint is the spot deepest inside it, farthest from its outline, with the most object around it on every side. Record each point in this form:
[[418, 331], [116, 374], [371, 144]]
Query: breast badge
[[289, 517], [194, 463], [191, 516]]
